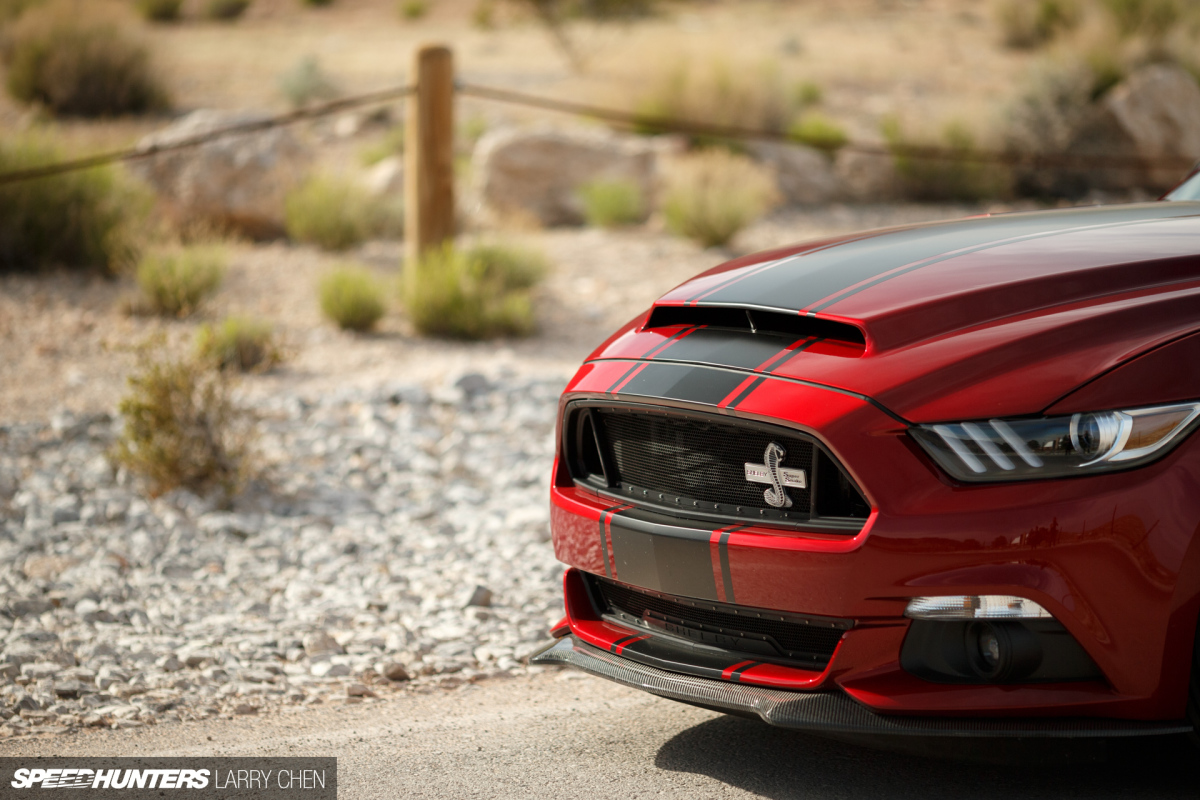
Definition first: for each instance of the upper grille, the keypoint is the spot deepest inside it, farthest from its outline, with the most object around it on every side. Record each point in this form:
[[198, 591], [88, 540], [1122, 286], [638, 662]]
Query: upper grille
[[694, 465], [806, 639], [699, 460]]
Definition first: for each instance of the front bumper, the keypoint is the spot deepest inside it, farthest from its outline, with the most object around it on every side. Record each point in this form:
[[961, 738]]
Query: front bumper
[[828, 711]]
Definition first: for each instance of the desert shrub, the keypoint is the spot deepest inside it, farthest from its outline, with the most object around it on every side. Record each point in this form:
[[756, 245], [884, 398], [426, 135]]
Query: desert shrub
[[807, 93], [479, 293], [307, 82], [390, 144], [182, 429], [84, 219], [238, 343], [226, 10], [160, 10], [413, 9], [713, 194], [720, 94], [483, 15], [612, 203], [337, 214], [352, 298], [959, 173], [819, 131], [176, 281], [11, 9], [77, 59], [1027, 24], [1153, 18]]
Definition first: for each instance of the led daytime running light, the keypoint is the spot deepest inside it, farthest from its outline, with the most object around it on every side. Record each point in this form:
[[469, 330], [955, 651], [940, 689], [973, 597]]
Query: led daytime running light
[[971, 607]]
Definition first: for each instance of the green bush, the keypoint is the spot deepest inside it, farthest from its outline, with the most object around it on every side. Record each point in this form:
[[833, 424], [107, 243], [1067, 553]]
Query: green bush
[[612, 203], [77, 59], [478, 293], [958, 176], [413, 9], [182, 429], [817, 130], [238, 343], [175, 282], [337, 214], [226, 10], [85, 219], [307, 82], [390, 144], [1026, 24], [11, 9], [1154, 18], [160, 10], [807, 94], [352, 297], [713, 194]]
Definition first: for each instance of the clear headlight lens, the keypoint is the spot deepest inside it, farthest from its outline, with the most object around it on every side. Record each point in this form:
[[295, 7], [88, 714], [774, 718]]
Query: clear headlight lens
[[1056, 447]]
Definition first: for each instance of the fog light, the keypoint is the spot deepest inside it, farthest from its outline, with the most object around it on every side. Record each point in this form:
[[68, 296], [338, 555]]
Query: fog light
[[1002, 651], [967, 607]]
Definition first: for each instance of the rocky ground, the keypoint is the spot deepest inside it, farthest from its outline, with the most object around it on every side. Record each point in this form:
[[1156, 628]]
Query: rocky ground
[[400, 539]]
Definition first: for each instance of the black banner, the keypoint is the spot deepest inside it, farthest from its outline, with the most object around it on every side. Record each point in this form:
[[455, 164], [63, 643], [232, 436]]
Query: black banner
[[201, 778]]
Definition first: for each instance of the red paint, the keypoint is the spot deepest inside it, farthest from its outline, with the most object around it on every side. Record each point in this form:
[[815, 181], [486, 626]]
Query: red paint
[[1086, 319]]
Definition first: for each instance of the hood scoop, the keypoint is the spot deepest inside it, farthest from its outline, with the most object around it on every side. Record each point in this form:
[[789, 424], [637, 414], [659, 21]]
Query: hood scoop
[[759, 321]]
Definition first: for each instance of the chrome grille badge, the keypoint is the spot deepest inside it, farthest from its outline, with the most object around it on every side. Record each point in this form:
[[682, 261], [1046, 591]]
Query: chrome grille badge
[[778, 476]]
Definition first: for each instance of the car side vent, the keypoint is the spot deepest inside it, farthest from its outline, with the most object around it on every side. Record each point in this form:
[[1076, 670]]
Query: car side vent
[[756, 320]]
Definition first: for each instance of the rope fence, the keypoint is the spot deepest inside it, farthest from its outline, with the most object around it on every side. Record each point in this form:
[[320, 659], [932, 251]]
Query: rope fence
[[627, 119]]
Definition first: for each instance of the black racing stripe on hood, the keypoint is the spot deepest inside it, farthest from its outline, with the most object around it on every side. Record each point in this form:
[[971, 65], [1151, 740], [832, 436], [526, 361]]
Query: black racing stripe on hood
[[683, 382], [726, 348], [818, 279]]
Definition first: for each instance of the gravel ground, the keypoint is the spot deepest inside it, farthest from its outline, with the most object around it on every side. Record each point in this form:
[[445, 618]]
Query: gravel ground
[[402, 534]]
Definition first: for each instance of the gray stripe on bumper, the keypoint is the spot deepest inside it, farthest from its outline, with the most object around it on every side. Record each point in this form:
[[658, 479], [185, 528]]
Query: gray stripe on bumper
[[827, 712]]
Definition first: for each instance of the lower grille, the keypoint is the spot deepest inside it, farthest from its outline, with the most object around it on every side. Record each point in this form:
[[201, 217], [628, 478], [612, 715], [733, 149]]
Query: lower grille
[[793, 637]]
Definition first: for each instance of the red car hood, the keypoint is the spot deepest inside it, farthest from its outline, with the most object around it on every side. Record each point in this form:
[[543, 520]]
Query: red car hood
[[987, 316]]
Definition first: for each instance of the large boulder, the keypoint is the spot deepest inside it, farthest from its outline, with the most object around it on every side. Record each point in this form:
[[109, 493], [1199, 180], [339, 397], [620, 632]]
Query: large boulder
[[1154, 114], [803, 175], [535, 174], [237, 181]]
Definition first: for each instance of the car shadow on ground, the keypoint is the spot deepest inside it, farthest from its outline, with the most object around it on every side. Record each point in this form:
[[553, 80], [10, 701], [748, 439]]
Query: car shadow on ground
[[776, 763]]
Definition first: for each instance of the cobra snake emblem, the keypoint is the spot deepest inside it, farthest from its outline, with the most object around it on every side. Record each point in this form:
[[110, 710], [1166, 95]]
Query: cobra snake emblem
[[776, 496]]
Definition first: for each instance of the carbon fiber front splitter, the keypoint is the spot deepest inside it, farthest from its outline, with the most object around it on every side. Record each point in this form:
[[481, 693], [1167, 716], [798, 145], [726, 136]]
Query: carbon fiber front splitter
[[827, 712]]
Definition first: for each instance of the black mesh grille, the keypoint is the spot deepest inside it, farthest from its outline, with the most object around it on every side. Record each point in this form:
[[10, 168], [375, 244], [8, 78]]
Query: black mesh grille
[[814, 641], [699, 460]]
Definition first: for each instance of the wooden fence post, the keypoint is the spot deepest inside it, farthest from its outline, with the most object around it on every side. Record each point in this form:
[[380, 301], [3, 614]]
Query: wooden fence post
[[429, 154]]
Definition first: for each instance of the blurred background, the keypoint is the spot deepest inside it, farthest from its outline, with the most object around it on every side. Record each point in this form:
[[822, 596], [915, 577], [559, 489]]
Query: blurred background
[[251, 459]]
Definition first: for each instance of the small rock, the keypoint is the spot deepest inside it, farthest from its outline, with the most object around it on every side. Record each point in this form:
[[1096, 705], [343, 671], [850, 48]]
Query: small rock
[[245, 708], [40, 669], [320, 643], [169, 663], [327, 669], [480, 596], [394, 671], [69, 688], [473, 383], [358, 690], [92, 721]]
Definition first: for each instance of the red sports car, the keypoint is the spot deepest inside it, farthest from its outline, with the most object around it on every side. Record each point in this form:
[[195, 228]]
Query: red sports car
[[934, 480]]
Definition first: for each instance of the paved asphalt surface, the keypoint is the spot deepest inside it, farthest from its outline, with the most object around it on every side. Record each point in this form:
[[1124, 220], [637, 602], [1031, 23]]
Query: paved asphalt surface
[[564, 735]]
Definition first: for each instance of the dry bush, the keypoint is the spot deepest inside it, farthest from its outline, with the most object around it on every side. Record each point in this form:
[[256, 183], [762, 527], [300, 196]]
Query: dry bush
[[817, 130], [718, 94], [78, 58], [337, 214], [1151, 18], [713, 194], [176, 281], [160, 10], [478, 293], [307, 82], [962, 175], [413, 9], [1025, 24], [612, 203], [352, 298], [182, 429], [241, 343], [87, 219], [226, 10]]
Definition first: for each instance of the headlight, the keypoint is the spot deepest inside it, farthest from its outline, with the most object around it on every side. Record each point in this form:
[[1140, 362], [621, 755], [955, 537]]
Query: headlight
[[1055, 447]]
